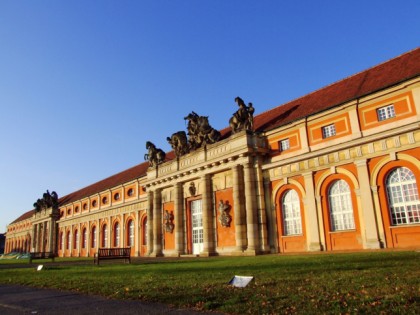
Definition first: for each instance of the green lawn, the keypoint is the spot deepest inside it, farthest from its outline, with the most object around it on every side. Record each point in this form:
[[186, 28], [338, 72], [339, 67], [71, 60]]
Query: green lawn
[[347, 283]]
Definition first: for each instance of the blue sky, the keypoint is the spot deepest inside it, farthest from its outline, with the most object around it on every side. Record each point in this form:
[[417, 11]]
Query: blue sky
[[84, 84]]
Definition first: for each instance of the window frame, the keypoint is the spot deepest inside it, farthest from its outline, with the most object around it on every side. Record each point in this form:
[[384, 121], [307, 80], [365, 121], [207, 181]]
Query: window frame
[[328, 131], [291, 213], [284, 145], [406, 190], [386, 112], [340, 220]]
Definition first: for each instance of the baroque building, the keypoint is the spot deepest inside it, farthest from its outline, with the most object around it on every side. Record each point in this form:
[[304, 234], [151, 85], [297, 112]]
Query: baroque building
[[337, 169]]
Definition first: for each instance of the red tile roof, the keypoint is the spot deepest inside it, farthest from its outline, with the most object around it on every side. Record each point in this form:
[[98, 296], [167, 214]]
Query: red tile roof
[[380, 77], [24, 216]]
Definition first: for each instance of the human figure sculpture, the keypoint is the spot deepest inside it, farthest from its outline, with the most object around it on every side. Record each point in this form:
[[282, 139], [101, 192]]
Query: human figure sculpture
[[168, 218], [243, 118], [224, 217]]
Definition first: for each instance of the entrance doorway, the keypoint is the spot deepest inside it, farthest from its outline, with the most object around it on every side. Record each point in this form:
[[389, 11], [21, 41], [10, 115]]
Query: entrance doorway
[[197, 226]]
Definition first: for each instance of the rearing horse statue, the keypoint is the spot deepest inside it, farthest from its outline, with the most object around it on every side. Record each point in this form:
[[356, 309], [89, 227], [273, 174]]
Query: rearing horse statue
[[155, 156]]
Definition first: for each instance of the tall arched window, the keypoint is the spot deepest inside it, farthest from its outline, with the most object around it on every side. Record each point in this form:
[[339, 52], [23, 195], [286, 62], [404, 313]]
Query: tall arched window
[[93, 237], [117, 234], [403, 197], [130, 233], [104, 236], [290, 206], [341, 207]]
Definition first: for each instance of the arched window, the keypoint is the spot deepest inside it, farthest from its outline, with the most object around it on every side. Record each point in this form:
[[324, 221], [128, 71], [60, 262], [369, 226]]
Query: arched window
[[130, 233], [84, 238], [117, 234], [76, 239], [93, 237], [341, 207], [290, 206], [68, 239], [104, 236], [403, 197]]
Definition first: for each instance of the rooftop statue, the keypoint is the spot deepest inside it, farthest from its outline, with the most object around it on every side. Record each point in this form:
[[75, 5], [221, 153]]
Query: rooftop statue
[[200, 132], [48, 200], [155, 156], [179, 143], [243, 118]]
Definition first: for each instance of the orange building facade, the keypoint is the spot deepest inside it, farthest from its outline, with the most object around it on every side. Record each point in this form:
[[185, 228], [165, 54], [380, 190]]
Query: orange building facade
[[337, 169]]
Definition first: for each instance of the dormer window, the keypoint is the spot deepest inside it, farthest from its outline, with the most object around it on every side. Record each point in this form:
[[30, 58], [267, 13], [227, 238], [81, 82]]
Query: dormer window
[[385, 112], [328, 131]]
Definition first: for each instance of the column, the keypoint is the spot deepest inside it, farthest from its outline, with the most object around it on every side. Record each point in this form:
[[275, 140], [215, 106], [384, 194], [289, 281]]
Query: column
[[208, 231], [271, 217], [80, 238], [98, 234], [377, 206], [157, 224], [149, 222], [34, 237], [251, 209], [109, 229], [238, 209], [43, 236], [179, 219], [54, 236], [311, 218], [88, 241], [371, 239], [136, 235], [122, 229], [322, 236], [49, 240], [261, 205]]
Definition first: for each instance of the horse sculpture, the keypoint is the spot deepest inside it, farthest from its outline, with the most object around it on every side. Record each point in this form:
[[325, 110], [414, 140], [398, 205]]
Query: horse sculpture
[[155, 156], [49, 200], [179, 143], [200, 132]]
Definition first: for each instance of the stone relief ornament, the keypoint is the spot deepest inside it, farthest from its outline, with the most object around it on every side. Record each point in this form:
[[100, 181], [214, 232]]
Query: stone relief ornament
[[224, 217], [243, 118], [200, 132], [179, 143], [155, 156], [168, 218], [192, 189], [48, 200]]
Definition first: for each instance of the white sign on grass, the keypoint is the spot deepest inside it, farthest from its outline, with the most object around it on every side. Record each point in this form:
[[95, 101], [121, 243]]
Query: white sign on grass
[[240, 281]]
